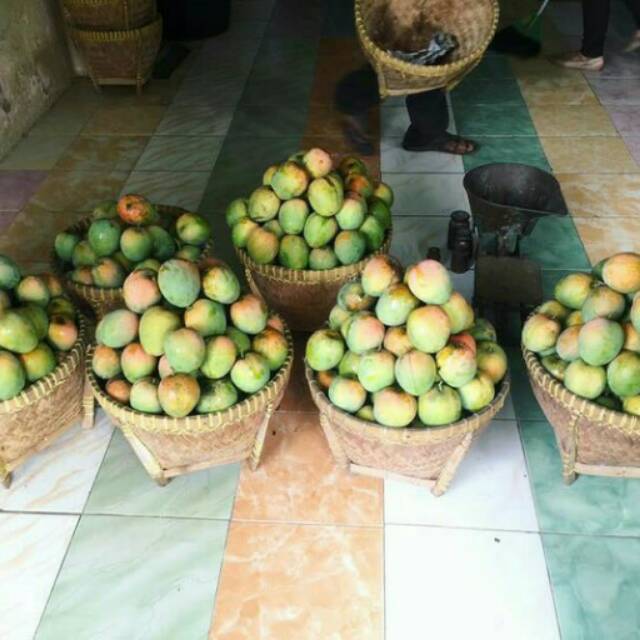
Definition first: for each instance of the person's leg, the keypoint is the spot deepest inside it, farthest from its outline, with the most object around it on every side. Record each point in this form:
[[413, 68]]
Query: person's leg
[[595, 19], [429, 117]]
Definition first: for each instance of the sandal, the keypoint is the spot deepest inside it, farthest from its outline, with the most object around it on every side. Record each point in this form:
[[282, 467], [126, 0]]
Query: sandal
[[444, 143], [578, 61]]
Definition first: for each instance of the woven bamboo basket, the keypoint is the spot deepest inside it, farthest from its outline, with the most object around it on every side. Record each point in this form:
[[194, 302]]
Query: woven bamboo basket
[[120, 57], [98, 300], [33, 419], [303, 297], [592, 440], [109, 15], [427, 456], [169, 447], [473, 23]]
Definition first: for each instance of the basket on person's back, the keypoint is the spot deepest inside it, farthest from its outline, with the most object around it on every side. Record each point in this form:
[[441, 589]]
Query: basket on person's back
[[408, 25]]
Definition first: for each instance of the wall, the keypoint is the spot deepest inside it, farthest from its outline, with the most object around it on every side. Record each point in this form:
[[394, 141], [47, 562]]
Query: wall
[[34, 64]]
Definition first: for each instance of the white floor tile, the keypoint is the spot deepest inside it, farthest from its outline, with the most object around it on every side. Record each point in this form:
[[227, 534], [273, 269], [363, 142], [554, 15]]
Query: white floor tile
[[455, 584], [427, 194], [490, 491], [31, 552], [59, 478]]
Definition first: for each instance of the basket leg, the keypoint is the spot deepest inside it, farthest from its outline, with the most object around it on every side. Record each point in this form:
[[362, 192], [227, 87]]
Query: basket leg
[[5, 476], [342, 461], [451, 466], [88, 406], [258, 445], [146, 458], [569, 452]]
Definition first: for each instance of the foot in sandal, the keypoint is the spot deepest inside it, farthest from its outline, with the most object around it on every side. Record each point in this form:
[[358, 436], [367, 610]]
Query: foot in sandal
[[444, 143], [578, 61]]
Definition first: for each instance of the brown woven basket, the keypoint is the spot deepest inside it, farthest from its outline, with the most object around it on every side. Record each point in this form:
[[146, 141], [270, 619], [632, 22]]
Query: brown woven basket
[[97, 300], [120, 57], [33, 419], [169, 447], [303, 297], [109, 15], [472, 22], [592, 439], [428, 456]]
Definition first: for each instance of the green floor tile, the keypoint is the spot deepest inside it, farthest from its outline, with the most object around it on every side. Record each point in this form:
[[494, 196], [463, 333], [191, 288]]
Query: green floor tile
[[257, 122], [482, 90], [492, 119], [591, 505], [596, 586], [180, 153], [123, 487], [555, 244], [136, 578], [492, 66], [524, 150]]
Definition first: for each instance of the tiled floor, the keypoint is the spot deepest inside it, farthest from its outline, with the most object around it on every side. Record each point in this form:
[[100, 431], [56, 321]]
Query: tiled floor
[[92, 549]]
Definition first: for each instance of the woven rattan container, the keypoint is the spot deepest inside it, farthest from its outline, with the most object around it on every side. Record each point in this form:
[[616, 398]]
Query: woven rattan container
[[592, 439], [33, 419], [303, 297], [109, 15], [169, 447], [472, 22], [428, 456], [120, 57], [100, 300]]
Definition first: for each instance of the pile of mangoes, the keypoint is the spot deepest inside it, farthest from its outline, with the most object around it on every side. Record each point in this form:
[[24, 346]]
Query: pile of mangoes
[[309, 214], [404, 349], [588, 336], [129, 234], [187, 341], [38, 323]]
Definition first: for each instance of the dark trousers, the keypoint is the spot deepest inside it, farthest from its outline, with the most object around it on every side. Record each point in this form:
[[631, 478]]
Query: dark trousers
[[595, 17], [357, 92]]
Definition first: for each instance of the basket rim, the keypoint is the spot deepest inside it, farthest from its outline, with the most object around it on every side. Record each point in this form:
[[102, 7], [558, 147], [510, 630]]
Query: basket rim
[[310, 276], [428, 71], [117, 36], [406, 435], [107, 294], [573, 403], [63, 371], [194, 423]]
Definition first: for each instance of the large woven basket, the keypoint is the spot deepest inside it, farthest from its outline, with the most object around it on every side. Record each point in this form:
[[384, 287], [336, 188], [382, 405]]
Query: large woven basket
[[169, 447], [109, 15], [98, 300], [303, 297], [120, 57], [429, 456], [33, 419], [472, 22], [592, 439]]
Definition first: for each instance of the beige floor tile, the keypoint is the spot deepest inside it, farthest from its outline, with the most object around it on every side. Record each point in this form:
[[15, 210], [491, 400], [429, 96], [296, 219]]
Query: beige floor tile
[[571, 120], [297, 480], [281, 581], [597, 154], [602, 238], [601, 196]]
